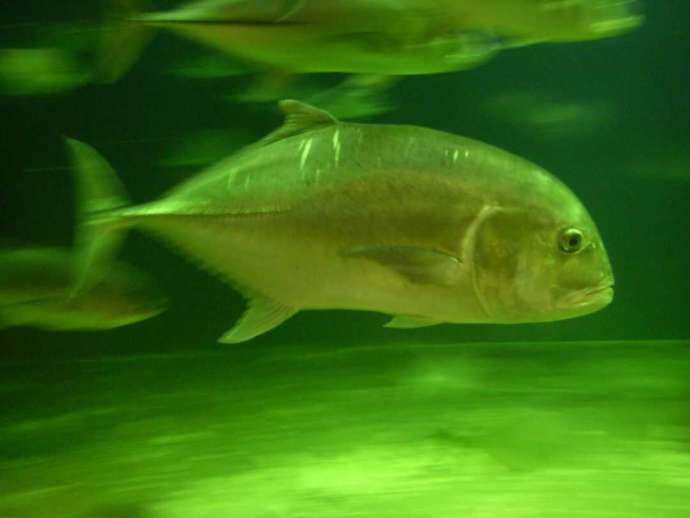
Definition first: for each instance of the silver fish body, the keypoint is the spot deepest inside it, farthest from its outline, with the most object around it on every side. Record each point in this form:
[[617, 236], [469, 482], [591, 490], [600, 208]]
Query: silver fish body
[[420, 224]]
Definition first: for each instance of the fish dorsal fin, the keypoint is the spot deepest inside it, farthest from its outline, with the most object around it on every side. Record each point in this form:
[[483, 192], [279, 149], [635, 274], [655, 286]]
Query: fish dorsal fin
[[299, 117]]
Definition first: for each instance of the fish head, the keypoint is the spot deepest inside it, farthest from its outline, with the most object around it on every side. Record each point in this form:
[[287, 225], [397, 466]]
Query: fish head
[[542, 262], [602, 18], [532, 21]]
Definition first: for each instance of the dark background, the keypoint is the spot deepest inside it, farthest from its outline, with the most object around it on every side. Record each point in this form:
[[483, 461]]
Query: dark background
[[642, 77]]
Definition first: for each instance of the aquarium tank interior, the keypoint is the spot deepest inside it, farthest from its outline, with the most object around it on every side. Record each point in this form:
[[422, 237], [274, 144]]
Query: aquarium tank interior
[[345, 258]]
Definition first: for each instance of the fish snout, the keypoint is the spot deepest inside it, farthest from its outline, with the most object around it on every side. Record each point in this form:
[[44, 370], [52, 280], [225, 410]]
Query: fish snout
[[593, 298]]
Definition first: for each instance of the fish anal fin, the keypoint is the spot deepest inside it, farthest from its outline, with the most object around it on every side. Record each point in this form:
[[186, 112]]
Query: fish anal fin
[[261, 315], [299, 117], [410, 322], [417, 265]]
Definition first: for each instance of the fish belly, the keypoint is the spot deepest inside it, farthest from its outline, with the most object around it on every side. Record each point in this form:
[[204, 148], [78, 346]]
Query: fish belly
[[261, 254]]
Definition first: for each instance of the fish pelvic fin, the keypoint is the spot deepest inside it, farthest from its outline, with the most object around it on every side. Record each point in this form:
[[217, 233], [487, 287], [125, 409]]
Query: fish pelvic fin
[[100, 231], [124, 38], [411, 322], [262, 315]]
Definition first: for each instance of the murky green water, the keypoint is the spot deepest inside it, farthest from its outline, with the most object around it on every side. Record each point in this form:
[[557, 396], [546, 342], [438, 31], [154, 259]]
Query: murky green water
[[331, 415], [560, 429]]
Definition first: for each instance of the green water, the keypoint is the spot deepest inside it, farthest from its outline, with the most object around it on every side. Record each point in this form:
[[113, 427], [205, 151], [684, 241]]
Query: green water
[[331, 415], [558, 429]]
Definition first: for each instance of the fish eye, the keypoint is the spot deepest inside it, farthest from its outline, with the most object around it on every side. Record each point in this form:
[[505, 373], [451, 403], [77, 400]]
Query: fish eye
[[571, 240]]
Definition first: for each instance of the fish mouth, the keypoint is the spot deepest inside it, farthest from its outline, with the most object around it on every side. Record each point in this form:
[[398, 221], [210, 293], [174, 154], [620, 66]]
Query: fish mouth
[[598, 296]]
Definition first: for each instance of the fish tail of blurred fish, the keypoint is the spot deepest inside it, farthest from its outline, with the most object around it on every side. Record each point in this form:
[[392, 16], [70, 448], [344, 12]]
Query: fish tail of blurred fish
[[100, 199], [124, 39]]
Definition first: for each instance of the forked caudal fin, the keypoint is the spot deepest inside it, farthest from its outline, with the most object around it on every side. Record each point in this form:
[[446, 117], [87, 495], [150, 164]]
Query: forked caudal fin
[[99, 194], [102, 222], [101, 227], [124, 39]]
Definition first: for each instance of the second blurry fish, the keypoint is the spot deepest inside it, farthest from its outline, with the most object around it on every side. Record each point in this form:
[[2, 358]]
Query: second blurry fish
[[36, 291], [40, 71], [387, 37]]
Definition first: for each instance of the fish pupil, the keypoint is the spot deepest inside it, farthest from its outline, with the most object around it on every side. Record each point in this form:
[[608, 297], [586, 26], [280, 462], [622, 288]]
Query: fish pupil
[[571, 241]]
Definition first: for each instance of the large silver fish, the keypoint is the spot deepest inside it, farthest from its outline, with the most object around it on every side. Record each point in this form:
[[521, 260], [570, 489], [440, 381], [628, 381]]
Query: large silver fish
[[423, 225], [386, 37], [36, 287]]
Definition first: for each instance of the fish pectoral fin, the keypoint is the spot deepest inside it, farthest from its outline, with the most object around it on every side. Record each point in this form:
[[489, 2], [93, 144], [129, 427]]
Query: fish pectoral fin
[[261, 315], [299, 117], [418, 265], [410, 322]]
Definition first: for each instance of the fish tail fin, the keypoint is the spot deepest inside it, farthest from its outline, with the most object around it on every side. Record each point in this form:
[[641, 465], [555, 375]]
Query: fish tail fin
[[100, 226], [124, 39]]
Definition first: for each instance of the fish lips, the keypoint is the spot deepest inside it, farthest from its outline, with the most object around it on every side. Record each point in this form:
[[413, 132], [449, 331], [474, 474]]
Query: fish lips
[[590, 299]]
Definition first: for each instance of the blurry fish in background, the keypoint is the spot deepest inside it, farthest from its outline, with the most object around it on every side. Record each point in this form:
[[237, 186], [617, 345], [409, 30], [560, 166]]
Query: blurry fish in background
[[210, 66], [280, 39], [78, 36], [48, 58], [355, 97], [669, 162], [36, 291], [308, 36], [351, 97], [523, 22], [204, 147], [419, 224], [40, 71], [539, 113], [388, 37]]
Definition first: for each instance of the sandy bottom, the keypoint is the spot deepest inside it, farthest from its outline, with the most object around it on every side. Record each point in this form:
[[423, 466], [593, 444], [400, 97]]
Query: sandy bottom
[[413, 430]]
